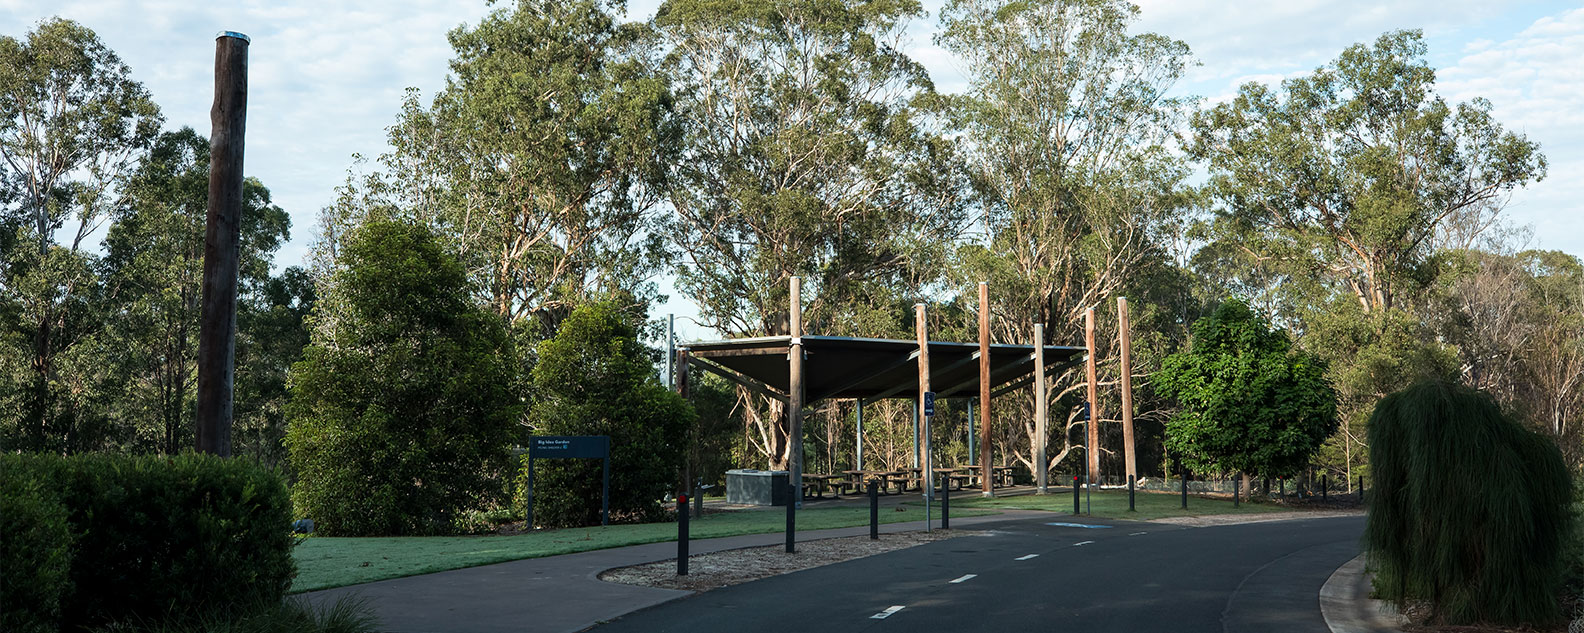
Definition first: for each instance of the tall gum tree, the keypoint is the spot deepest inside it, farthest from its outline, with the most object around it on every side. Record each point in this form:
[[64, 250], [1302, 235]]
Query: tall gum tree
[[1333, 193], [73, 124], [1068, 132], [810, 150], [539, 161]]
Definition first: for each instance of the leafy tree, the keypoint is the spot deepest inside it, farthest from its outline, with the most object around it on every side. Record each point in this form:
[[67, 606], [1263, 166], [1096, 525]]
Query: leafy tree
[[1340, 187], [1068, 129], [808, 151], [595, 378], [153, 268], [538, 162], [403, 406], [1471, 511], [1357, 172], [72, 124], [1250, 403], [272, 333]]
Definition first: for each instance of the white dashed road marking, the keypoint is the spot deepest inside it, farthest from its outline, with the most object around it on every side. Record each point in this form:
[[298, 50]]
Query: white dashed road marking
[[886, 614], [964, 577], [1138, 533], [1026, 557], [1082, 543]]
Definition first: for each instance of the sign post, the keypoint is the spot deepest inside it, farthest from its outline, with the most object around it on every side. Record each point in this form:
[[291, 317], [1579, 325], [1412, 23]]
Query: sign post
[[571, 447]]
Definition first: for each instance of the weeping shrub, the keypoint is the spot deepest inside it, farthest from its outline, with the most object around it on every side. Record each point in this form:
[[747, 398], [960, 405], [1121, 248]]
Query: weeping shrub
[[1471, 511]]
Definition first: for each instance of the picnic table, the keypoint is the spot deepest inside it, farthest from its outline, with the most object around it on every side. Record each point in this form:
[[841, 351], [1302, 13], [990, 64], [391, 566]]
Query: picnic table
[[857, 478], [818, 483]]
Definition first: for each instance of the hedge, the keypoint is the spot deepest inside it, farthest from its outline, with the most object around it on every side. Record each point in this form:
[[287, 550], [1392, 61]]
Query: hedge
[[150, 538], [34, 554]]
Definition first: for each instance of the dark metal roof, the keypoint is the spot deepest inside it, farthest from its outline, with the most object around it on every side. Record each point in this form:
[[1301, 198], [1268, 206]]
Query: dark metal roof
[[869, 368]]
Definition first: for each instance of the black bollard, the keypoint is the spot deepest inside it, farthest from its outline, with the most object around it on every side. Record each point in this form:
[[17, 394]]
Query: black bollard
[[945, 496], [791, 531], [874, 511], [1237, 495], [1361, 489], [1130, 493], [1281, 490], [1323, 487], [1077, 500], [1185, 488], [682, 535]]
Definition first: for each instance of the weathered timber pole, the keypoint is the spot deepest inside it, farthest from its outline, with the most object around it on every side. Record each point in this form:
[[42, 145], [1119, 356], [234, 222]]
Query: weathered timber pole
[[1125, 334], [984, 389], [1093, 448], [222, 245], [858, 460], [795, 395], [927, 474], [670, 375], [1041, 428]]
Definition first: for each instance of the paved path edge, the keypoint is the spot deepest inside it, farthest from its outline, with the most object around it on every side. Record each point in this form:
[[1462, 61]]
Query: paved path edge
[[1347, 607]]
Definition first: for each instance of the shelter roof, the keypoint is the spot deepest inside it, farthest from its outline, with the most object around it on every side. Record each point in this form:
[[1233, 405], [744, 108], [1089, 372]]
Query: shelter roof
[[870, 368]]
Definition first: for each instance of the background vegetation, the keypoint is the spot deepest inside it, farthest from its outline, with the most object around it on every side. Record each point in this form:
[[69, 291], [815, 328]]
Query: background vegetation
[[574, 158]]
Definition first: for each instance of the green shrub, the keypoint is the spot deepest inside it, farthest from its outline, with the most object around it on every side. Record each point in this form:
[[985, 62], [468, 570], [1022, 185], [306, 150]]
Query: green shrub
[[168, 537], [404, 406], [1470, 511], [35, 552], [595, 378]]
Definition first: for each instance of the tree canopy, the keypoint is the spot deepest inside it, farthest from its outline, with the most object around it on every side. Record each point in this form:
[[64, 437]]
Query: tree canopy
[[1249, 402]]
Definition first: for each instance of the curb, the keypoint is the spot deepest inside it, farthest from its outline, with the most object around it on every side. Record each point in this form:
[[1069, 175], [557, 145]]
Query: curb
[[1347, 608]]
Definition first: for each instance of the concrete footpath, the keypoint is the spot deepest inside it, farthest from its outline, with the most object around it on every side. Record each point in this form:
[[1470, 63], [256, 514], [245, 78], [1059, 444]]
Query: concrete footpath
[[561, 593]]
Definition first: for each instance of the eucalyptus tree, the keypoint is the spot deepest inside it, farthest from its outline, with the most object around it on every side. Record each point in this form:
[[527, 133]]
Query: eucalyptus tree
[[538, 162], [810, 149], [1069, 132], [1358, 172], [153, 272], [1335, 191], [73, 124]]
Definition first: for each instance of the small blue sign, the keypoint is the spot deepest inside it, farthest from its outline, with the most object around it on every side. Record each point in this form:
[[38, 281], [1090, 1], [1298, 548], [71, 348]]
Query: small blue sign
[[929, 403]]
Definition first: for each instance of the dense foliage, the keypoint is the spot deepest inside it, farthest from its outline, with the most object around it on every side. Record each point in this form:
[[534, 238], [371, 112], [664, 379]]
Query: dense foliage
[[1249, 402], [35, 552], [1472, 512], [403, 407], [149, 538], [573, 156], [594, 378]]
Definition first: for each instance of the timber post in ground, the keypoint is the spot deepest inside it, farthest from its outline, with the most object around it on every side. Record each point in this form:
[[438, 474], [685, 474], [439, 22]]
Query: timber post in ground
[[1093, 447], [1125, 336], [984, 389], [1041, 426], [222, 245], [795, 395]]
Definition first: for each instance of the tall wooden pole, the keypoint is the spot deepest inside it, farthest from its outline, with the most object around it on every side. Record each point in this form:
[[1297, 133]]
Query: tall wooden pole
[[1041, 425], [984, 389], [926, 475], [795, 394], [1125, 333], [1093, 424], [222, 245]]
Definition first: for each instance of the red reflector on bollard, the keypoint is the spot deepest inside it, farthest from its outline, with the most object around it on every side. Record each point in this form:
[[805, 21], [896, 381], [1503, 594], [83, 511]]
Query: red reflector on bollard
[[681, 498]]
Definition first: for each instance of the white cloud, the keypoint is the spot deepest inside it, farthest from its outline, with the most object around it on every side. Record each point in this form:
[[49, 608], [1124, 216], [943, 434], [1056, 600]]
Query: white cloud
[[1535, 84]]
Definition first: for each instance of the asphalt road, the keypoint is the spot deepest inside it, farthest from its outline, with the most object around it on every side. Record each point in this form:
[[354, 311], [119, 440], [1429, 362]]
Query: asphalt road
[[1030, 576]]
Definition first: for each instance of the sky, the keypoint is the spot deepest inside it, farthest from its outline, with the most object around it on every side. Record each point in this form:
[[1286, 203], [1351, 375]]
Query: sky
[[326, 77]]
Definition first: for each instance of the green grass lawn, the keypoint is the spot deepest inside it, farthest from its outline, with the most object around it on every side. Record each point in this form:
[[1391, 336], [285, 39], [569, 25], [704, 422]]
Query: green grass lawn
[[1114, 504], [325, 562]]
